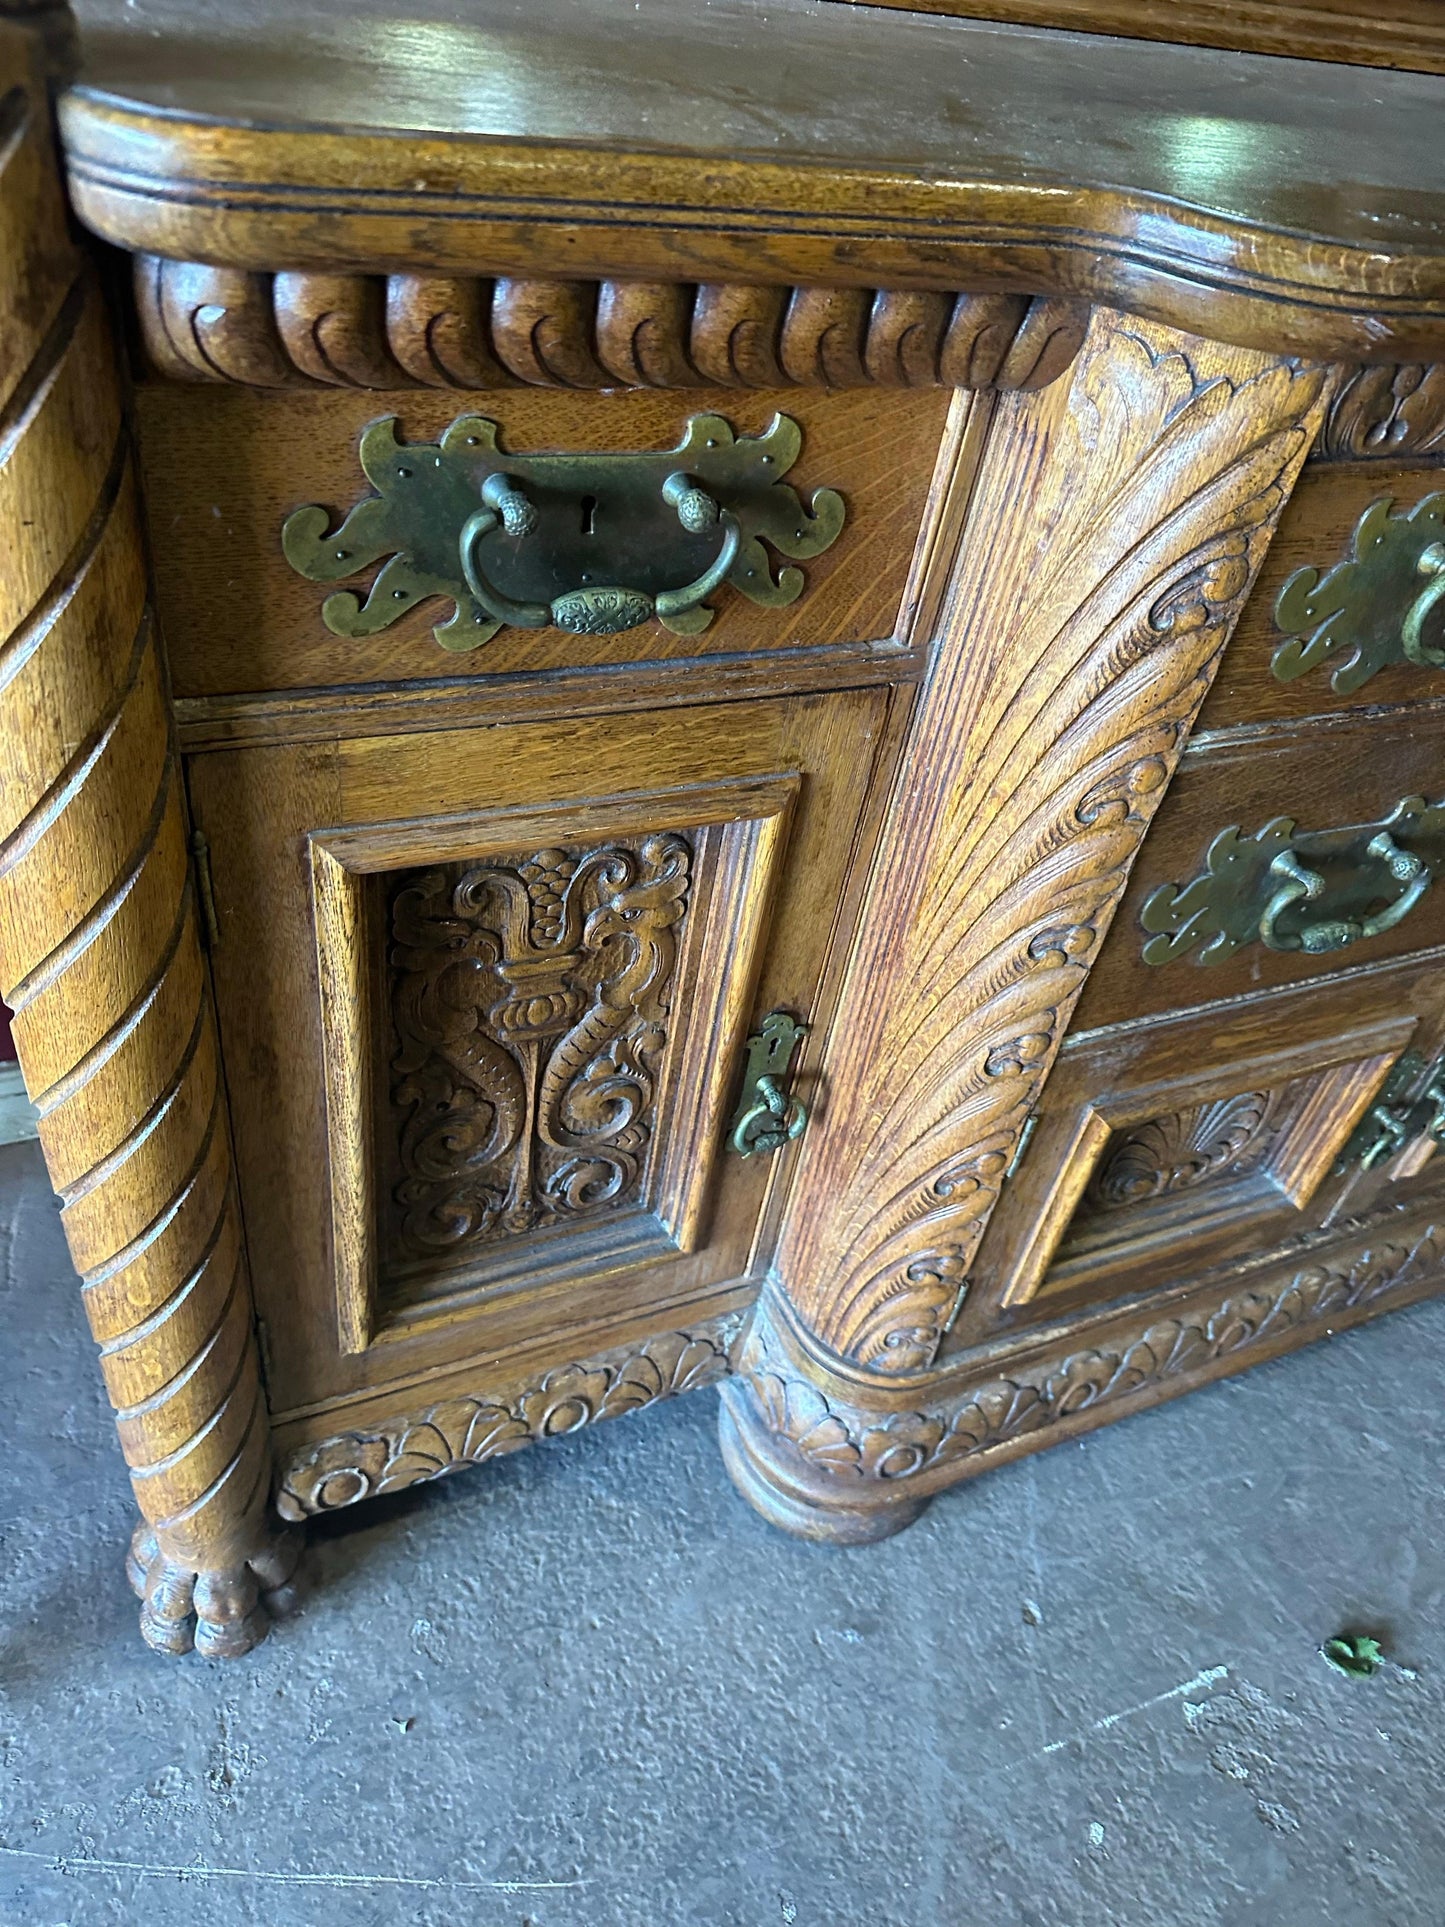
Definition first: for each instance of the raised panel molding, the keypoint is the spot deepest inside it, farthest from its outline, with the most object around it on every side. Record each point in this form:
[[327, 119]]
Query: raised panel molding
[[530, 1024], [1075, 647], [203, 323]]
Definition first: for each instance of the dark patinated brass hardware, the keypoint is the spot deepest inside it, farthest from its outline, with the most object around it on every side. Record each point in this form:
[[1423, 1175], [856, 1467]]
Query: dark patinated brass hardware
[[1270, 888], [1379, 606], [1411, 1107], [766, 1117], [594, 543]]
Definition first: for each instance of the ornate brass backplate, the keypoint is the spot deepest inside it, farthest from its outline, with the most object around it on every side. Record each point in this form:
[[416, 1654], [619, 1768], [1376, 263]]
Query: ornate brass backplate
[[594, 543], [1289, 889], [1375, 607]]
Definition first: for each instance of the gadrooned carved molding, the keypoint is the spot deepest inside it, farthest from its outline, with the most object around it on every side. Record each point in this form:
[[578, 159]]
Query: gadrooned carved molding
[[1028, 791], [407, 330], [837, 1441], [457, 1432], [1393, 409]]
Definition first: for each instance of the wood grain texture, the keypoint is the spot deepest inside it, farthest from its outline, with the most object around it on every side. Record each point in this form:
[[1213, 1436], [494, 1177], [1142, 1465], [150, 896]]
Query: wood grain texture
[[1316, 531], [827, 147], [821, 1454], [1399, 33], [224, 467], [99, 956], [1077, 643], [387, 331]]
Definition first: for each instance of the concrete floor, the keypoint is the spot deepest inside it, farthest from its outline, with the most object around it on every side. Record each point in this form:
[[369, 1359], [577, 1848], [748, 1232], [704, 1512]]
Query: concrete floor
[[586, 1687]]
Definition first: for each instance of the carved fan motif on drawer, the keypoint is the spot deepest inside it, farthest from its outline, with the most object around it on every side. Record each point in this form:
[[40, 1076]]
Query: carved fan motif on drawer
[[530, 998], [1184, 1149]]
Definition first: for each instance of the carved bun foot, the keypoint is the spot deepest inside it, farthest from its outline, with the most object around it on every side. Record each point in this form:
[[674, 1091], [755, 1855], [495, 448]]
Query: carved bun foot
[[218, 1613], [757, 1464]]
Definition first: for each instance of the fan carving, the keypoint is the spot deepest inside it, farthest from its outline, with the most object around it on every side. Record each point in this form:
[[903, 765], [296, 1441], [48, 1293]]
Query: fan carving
[[1174, 1153]]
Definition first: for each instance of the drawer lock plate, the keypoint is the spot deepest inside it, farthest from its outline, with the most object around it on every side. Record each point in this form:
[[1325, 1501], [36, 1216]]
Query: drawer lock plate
[[593, 543]]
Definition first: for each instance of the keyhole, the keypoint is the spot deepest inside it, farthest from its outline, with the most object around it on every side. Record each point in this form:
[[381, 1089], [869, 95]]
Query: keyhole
[[589, 513]]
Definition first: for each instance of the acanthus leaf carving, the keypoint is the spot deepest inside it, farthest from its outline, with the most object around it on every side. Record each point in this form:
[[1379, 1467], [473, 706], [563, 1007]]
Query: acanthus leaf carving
[[1386, 409], [842, 1443], [464, 1431]]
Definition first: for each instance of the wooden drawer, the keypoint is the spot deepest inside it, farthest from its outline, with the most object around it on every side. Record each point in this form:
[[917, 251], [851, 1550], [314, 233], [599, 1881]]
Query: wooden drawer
[[1317, 531], [1322, 775], [465, 1131], [224, 469], [1165, 1150]]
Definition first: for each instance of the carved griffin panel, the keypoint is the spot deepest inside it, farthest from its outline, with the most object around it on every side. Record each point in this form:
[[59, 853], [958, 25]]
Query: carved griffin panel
[[530, 1000]]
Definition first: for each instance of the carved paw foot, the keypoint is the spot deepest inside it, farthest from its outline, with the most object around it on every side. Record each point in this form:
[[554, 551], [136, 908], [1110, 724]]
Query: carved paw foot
[[221, 1613]]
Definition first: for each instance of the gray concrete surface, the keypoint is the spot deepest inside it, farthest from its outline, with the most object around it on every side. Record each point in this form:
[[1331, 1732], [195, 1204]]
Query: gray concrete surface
[[588, 1688]]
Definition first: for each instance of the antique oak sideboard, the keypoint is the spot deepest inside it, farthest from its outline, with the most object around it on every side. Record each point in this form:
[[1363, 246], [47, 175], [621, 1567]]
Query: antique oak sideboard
[[711, 693]]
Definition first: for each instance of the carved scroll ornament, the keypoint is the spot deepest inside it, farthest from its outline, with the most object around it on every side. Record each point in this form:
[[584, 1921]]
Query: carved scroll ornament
[[1085, 638], [530, 1002]]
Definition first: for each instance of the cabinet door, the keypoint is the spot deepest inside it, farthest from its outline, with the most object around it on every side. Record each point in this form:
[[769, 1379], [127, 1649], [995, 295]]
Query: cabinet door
[[483, 996], [1168, 1149]]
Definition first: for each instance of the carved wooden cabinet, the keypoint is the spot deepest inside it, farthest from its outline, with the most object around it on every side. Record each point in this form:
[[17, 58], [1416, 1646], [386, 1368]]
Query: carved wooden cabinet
[[659, 735]]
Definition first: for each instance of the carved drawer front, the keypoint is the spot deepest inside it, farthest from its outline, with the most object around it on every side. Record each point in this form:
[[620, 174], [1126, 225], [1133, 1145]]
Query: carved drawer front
[[790, 520], [1316, 848], [1167, 1150], [484, 997], [1349, 608]]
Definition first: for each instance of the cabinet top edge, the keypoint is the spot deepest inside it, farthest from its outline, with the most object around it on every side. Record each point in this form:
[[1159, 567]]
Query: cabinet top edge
[[787, 142]]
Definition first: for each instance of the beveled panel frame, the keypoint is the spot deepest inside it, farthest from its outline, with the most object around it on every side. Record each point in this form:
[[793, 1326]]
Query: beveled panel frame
[[1106, 1085], [740, 832]]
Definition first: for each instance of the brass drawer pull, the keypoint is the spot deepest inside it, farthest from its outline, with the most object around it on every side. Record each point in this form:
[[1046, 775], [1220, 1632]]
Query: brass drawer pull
[[1366, 612], [603, 610], [766, 1117], [1253, 888], [1300, 884], [593, 543], [1432, 564]]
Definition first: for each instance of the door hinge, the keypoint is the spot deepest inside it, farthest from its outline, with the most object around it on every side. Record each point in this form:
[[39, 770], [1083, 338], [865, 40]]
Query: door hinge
[[205, 894], [1031, 1124]]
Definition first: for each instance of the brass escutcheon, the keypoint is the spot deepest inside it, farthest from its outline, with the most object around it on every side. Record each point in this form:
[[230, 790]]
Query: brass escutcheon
[[1370, 610]]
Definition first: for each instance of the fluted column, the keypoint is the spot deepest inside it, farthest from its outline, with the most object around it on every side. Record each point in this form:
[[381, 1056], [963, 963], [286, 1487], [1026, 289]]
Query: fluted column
[[99, 951]]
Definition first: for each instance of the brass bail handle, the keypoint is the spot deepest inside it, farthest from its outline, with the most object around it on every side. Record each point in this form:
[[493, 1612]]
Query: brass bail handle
[[1431, 564], [505, 505], [1301, 885]]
